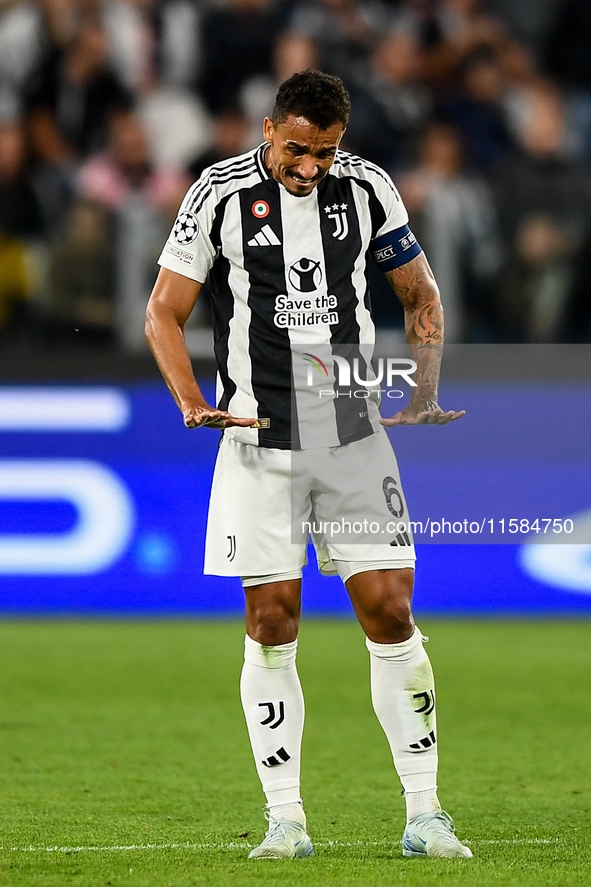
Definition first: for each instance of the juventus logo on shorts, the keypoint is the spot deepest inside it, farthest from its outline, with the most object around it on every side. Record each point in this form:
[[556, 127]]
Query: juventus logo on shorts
[[272, 720], [232, 552]]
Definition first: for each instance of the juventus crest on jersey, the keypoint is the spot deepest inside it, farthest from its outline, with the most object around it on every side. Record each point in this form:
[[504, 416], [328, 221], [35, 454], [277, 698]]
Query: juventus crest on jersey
[[288, 278]]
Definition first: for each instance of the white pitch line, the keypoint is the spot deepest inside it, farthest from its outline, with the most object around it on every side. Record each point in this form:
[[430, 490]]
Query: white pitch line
[[118, 848], [121, 848], [517, 841]]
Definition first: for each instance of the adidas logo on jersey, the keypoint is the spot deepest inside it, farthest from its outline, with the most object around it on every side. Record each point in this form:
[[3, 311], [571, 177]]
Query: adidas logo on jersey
[[265, 237]]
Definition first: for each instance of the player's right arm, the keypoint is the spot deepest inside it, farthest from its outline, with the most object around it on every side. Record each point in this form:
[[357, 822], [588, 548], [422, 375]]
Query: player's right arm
[[401, 258], [415, 286], [172, 300]]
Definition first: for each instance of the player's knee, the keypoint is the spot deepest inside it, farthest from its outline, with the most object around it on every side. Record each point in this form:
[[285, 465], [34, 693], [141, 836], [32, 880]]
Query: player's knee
[[272, 619], [391, 612], [384, 597], [272, 627], [386, 618], [397, 614], [275, 613]]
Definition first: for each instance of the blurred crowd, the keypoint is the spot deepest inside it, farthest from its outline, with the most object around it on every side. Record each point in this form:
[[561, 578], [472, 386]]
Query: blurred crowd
[[479, 109]]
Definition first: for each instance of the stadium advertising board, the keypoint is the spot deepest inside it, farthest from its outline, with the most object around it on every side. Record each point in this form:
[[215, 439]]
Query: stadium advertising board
[[103, 501]]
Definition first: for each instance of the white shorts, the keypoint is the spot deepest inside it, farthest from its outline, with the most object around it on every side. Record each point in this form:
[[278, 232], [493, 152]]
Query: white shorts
[[265, 503]]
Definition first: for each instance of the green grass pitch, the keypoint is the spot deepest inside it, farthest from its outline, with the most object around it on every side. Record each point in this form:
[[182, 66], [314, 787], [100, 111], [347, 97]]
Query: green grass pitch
[[125, 758]]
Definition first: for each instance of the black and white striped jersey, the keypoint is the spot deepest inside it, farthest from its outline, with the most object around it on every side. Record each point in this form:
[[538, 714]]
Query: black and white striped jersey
[[289, 290]]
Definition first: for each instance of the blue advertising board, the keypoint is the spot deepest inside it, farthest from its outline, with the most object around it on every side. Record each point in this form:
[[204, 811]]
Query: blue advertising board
[[104, 492]]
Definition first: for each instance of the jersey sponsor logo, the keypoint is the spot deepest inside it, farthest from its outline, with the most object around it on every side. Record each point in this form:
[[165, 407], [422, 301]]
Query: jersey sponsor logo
[[338, 213], [382, 255], [311, 311], [265, 237], [305, 275], [260, 209], [179, 253], [186, 228]]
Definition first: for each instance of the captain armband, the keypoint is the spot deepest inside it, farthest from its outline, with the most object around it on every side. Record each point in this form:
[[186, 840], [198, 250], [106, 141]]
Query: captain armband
[[395, 248]]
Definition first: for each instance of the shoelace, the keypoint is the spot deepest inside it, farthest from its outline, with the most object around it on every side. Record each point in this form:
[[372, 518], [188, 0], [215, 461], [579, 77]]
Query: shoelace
[[276, 826], [443, 823]]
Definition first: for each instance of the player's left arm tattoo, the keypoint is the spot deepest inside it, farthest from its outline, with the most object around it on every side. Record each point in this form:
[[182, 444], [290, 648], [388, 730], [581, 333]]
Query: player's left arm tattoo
[[415, 286]]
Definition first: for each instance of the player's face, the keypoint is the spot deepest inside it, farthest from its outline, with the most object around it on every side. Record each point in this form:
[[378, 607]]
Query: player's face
[[300, 154]]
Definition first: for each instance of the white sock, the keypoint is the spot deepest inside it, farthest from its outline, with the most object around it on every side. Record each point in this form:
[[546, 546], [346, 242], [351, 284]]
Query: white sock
[[273, 706], [403, 696], [291, 812], [421, 802]]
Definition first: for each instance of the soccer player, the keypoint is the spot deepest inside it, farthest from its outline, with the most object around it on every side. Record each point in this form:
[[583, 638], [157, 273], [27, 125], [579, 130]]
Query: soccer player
[[284, 232]]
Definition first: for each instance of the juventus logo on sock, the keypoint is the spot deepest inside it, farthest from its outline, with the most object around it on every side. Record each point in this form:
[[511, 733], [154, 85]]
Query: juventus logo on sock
[[270, 719], [272, 760], [424, 743], [428, 702]]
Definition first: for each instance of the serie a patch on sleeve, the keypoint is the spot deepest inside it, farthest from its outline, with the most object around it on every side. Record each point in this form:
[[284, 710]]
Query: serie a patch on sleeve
[[395, 248]]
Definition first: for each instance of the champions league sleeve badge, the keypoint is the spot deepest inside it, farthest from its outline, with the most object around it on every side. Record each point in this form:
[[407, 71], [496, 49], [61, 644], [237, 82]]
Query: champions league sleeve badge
[[186, 228]]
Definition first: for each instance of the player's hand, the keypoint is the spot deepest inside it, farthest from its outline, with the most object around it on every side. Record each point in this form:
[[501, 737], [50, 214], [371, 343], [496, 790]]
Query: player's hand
[[208, 417], [426, 414]]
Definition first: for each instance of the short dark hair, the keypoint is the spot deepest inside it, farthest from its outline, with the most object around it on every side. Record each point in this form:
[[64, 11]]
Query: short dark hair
[[320, 98]]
